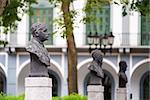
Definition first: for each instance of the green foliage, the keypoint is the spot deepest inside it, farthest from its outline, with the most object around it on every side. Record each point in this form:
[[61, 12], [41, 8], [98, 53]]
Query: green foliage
[[15, 8], [141, 6], [71, 97], [74, 97], [91, 6], [21, 97], [3, 42], [59, 22], [13, 12], [5, 97]]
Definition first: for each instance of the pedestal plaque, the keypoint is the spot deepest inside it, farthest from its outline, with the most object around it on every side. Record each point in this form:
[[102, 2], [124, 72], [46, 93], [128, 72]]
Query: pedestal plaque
[[38, 88], [95, 92], [121, 94]]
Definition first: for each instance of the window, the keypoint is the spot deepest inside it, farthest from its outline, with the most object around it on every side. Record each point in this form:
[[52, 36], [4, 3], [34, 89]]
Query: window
[[101, 24], [56, 83], [145, 87], [2, 81], [145, 29], [43, 15]]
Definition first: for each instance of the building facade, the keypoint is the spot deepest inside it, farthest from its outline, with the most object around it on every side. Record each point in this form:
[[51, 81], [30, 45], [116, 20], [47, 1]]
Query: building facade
[[131, 44]]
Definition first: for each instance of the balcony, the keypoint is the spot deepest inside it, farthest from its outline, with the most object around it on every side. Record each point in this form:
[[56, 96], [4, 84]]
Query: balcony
[[137, 40]]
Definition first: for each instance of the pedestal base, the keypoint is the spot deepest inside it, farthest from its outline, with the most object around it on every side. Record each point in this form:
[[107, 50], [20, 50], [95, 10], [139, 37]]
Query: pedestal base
[[121, 94], [95, 92], [38, 88]]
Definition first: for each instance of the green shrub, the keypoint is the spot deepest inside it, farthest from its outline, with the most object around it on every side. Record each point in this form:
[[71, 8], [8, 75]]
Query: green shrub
[[71, 97], [21, 97], [56, 98], [2, 96], [5, 97]]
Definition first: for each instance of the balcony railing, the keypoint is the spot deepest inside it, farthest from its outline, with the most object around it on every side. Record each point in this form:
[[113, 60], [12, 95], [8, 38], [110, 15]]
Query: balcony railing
[[145, 39], [125, 39], [129, 39]]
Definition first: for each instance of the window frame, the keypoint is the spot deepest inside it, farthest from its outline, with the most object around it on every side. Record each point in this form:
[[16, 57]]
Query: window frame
[[100, 23], [49, 18]]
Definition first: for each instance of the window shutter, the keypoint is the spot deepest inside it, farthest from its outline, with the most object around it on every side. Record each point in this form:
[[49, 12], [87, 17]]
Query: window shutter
[[145, 30], [101, 24]]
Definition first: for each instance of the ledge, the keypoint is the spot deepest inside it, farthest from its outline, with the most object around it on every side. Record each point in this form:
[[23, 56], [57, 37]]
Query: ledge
[[84, 49]]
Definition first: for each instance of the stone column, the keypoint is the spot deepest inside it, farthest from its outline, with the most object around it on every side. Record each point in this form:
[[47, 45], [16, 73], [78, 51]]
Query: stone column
[[38, 88], [11, 77], [121, 94], [95, 92]]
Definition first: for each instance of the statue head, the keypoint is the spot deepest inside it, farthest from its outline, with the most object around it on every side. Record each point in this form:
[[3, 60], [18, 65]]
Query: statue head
[[123, 66], [97, 55], [40, 32]]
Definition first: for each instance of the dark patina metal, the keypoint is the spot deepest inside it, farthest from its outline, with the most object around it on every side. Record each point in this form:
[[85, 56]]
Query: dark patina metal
[[96, 72], [122, 76], [39, 56]]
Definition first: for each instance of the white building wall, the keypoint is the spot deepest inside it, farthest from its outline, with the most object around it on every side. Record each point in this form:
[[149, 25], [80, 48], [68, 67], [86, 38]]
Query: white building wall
[[57, 39], [134, 29], [116, 20], [135, 80], [79, 27], [22, 31]]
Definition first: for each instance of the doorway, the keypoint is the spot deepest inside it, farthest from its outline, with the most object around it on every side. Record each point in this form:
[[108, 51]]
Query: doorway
[[145, 86], [2, 81]]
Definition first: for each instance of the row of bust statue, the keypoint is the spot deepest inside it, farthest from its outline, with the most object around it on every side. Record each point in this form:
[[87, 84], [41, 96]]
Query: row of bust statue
[[40, 60], [97, 74]]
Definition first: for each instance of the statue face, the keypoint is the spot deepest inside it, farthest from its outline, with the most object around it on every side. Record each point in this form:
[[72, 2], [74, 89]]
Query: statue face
[[43, 34], [123, 66], [97, 55], [40, 31]]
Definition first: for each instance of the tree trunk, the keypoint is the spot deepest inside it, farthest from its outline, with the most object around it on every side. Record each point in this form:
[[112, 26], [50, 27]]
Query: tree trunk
[[71, 51]]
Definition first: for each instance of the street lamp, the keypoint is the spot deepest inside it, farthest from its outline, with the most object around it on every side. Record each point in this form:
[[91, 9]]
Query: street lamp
[[100, 42]]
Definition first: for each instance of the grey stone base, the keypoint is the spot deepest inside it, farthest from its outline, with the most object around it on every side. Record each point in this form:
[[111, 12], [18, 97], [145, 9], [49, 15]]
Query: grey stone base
[[95, 92], [121, 94], [38, 88]]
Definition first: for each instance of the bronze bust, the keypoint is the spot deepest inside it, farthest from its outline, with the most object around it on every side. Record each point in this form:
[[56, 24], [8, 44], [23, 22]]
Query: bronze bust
[[40, 59], [122, 76], [96, 72]]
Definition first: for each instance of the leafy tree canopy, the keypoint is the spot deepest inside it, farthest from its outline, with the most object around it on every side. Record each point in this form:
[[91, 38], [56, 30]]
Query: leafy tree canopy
[[11, 11], [14, 9]]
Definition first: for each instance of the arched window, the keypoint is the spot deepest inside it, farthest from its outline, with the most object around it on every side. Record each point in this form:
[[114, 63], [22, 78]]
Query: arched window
[[145, 28], [108, 83], [43, 13], [2, 81], [56, 83], [101, 23], [145, 86]]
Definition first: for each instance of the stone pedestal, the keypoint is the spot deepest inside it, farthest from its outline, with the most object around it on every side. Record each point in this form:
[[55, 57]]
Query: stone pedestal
[[38, 88], [95, 92], [121, 94]]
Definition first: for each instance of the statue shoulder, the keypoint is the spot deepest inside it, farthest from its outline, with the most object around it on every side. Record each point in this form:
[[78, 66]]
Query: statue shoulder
[[35, 48], [31, 47], [123, 75], [92, 66]]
